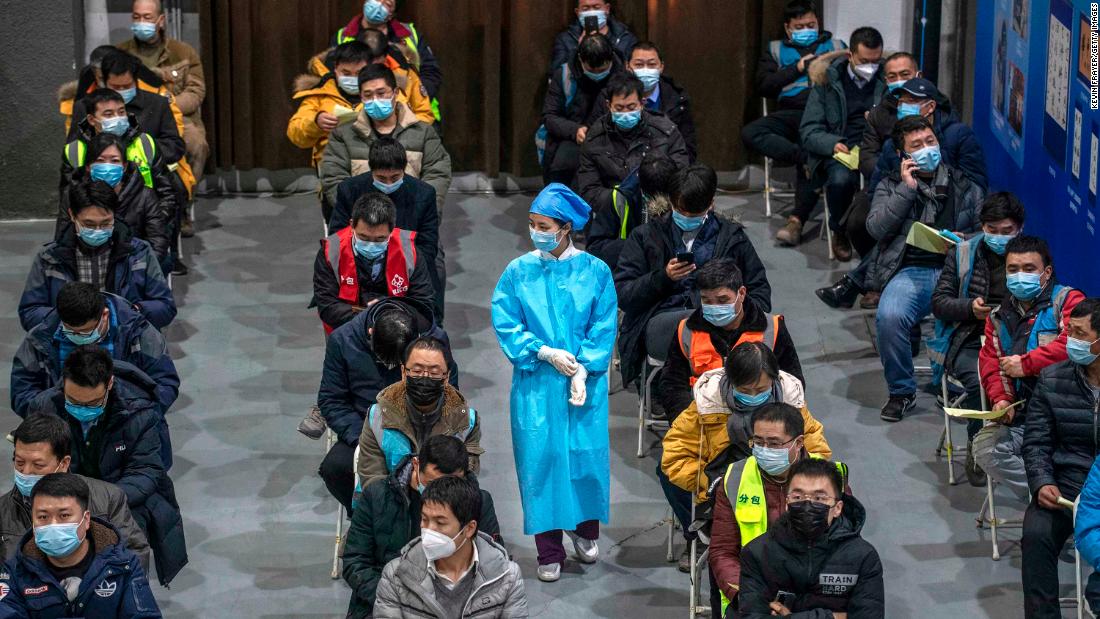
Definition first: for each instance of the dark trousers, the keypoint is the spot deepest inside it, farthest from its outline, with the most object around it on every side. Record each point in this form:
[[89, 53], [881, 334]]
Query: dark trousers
[[776, 136], [841, 185], [563, 167], [337, 469], [549, 543], [680, 501], [1044, 535], [965, 369], [855, 222]]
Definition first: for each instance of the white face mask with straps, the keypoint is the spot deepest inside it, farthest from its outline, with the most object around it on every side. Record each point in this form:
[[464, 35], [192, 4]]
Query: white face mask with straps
[[437, 545]]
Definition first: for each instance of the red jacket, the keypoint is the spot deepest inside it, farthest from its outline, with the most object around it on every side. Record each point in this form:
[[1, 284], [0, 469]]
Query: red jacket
[[998, 385], [400, 263]]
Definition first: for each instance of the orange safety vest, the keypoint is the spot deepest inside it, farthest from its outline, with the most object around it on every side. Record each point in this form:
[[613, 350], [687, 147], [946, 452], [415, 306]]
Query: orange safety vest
[[699, 350], [400, 263]]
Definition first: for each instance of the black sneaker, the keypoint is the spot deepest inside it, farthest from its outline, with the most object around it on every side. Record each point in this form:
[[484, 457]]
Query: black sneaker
[[974, 473], [897, 406], [842, 294], [179, 268]]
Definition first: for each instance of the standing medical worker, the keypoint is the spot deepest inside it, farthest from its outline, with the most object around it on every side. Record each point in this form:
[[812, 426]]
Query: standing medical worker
[[555, 312]]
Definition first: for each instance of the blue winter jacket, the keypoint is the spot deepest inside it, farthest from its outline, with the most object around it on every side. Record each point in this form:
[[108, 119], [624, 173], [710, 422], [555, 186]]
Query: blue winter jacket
[[1086, 531], [959, 148]]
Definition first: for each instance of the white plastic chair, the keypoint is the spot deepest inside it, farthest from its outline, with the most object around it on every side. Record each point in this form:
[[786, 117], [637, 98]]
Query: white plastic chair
[[1078, 600], [947, 444], [768, 191], [645, 402]]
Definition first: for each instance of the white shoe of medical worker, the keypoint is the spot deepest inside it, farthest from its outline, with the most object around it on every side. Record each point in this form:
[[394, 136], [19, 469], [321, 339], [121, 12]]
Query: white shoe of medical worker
[[550, 573], [587, 550]]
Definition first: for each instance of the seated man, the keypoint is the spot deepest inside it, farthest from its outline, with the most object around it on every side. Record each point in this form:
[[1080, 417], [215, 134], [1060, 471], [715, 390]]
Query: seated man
[[112, 416], [781, 74], [97, 250], [361, 358], [454, 569], [660, 93], [615, 31], [387, 516], [725, 400], [777, 436], [727, 318], [971, 285], [569, 108], [1023, 335], [107, 114], [1059, 449], [631, 200], [413, 198], [152, 111], [655, 287], [71, 560], [43, 446], [935, 194], [348, 150], [618, 140], [378, 16], [85, 317], [407, 413], [844, 90], [368, 261], [813, 552]]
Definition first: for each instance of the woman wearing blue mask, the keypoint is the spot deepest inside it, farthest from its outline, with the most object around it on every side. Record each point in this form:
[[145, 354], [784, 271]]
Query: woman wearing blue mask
[[555, 313]]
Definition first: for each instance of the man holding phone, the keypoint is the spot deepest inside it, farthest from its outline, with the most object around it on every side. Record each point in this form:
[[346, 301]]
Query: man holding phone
[[593, 17]]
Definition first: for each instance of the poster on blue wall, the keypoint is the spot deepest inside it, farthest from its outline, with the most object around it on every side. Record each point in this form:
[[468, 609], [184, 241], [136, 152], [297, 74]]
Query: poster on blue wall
[[1035, 112]]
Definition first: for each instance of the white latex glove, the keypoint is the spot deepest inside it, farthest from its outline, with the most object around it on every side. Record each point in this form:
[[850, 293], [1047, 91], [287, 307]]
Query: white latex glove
[[562, 361], [577, 392]]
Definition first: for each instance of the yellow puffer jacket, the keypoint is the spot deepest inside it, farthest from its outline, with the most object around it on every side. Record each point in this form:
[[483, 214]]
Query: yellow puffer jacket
[[699, 433], [410, 90], [315, 95]]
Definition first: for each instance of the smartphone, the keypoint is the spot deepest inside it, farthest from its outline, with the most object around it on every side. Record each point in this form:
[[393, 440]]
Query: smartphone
[[591, 25], [905, 155], [686, 256], [786, 599]]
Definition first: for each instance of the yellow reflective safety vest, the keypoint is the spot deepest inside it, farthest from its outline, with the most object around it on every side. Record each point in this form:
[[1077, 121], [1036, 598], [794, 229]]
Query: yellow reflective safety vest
[[141, 151]]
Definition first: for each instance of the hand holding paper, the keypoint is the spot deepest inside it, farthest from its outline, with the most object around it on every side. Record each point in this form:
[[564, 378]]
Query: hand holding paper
[[929, 239], [849, 159], [343, 114]]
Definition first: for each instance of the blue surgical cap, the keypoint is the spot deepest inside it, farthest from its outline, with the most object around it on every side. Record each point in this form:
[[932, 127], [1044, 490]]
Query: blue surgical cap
[[560, 202]]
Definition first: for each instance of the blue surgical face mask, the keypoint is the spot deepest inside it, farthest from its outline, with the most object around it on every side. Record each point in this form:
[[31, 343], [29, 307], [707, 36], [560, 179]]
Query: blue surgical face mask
[[601, 17], [82, 339], [144, 31], [927, 158], [388, 188], [908, 109], [752, 401], [349, 84], [110, 173], [375, 12], [369, 249], [626, 120], [997, 243], [58, 540], [892, 86], [1080, 351], [379, 109], [545, 241], [128, 94], [26, 483], [84, 414], [720, 315], [648, 77], [598, 77], [686, 223], [118, 125], [95, 238], [1024, 286], [772, 461], [804, 36]]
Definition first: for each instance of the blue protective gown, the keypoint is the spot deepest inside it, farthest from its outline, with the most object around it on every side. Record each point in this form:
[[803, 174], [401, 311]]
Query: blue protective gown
[[561, 451]]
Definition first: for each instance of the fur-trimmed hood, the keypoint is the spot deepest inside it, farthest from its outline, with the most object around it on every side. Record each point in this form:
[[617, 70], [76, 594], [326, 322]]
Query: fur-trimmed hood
[[66, 92], [658, 205], [305, 81], [819, 68]]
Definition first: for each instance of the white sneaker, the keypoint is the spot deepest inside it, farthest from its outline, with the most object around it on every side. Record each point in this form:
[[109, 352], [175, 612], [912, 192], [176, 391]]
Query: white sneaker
[[550, 573], [587, 550]]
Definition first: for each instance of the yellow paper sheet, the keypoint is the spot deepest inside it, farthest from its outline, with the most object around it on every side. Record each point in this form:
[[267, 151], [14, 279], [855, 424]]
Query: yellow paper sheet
[[849, 159], [928, 238], [343, 114], [966, 413]]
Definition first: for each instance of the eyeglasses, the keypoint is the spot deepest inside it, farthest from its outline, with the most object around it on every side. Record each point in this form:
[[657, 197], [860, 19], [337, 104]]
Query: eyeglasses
[[432, 374], [772, 444], [817, 497]]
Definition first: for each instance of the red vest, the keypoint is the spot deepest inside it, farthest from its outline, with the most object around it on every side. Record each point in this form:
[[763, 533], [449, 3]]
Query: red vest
[[400, 264]]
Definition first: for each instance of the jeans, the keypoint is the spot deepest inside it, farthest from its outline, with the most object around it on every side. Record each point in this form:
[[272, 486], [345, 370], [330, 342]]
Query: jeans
[[998, 449], [906, 299], [680, 502], [861, 270], [1044, 534], [549, 543], [841, 185], [338, 471]]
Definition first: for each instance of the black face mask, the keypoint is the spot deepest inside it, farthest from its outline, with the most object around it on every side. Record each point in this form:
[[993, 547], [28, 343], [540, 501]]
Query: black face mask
[[423, 390], [808, 519]]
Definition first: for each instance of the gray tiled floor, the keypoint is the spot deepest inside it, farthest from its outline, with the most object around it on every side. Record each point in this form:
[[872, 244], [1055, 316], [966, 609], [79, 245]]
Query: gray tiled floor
[[260, 526]]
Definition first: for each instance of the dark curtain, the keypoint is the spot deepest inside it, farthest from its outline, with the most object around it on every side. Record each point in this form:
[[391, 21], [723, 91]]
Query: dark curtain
[[493, 54]]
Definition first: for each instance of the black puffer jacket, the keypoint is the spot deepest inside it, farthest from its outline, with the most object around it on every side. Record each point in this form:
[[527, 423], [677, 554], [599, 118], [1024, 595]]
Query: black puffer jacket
[[570, 105], [609, 154], [676, 106], [147, 214], [643, 286], [950, 305], [1062, 431], [568, 40], [842, 573]]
